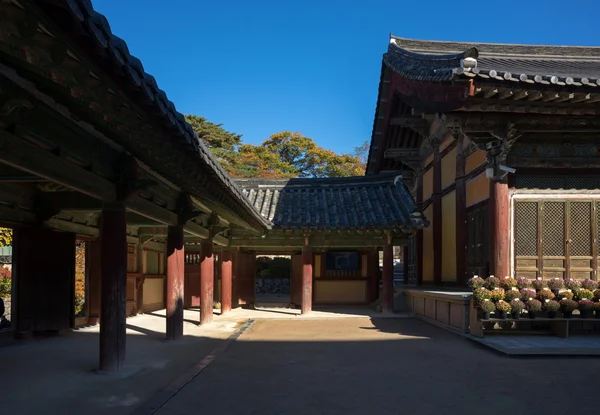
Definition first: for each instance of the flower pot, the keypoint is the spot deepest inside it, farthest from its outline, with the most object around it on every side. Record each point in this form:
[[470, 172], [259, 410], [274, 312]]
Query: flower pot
[[584, 313], [597, 313], [555, 292], [516, 316], [567, 314], [485, 316], [551, 314], [531, 314], [537, 290], [501, 315]]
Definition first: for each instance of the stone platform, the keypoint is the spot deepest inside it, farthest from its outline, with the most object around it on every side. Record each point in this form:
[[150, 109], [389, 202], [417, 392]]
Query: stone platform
[[541, 345]]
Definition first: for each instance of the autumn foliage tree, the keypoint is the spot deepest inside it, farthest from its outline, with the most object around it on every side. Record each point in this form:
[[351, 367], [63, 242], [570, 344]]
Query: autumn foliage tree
[[282, 155]]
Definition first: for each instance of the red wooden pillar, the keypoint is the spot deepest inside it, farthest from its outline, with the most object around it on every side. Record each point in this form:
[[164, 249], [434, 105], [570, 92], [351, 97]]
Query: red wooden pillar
[[226, 281], [207, 274], [94, 257], [499, 226], [387, 292], [307, 274], [175, 281], [114, 281], [461, 212]]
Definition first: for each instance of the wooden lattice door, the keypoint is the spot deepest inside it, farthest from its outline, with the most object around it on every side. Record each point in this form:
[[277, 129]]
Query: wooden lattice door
[[580, 231], [526, 238], [556, 238]]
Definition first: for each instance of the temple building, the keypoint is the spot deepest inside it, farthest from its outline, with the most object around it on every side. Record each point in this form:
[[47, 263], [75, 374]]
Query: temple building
[[498, 144]]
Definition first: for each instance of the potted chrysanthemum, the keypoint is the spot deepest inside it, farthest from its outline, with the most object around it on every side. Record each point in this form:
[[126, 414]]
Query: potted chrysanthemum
[[555, 284], [487, 307], [502, 309], [534, 307], [551, 307], [586, 308], [537, 284], [517, 306], [523, 282], [567, 307]]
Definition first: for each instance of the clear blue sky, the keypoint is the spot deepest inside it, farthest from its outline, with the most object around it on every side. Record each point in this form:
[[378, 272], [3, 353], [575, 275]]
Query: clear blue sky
[[260, 67]]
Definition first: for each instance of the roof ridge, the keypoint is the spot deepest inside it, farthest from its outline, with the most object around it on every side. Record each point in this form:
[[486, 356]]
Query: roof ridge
[[504, 49]]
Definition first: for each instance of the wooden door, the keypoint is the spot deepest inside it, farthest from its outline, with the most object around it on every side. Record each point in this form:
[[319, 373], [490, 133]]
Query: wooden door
[[526, 238], [556, 238], [553, 238], [477, 241], [580, 237]]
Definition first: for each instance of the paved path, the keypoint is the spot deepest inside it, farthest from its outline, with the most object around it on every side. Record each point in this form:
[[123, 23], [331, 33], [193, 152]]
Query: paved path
[[379, 366]]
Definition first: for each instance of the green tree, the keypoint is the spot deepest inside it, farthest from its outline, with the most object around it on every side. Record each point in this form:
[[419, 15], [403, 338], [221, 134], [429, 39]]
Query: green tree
[[5, 237], [284, 154], [310, 160], [214, 134]]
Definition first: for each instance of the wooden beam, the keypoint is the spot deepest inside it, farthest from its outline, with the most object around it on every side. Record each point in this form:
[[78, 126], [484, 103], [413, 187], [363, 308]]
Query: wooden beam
[[16, 152], [151, 210], [275, 244], [76, 228]]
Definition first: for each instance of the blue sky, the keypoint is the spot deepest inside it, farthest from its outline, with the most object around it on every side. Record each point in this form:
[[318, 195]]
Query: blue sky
[[262, 67]]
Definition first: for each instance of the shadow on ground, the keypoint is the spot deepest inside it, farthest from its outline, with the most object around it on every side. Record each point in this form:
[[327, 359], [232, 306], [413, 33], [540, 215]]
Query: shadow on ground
[[282, 366]]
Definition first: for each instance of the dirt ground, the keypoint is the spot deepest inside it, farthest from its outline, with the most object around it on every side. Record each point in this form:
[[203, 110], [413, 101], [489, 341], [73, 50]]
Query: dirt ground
[[383, 366]]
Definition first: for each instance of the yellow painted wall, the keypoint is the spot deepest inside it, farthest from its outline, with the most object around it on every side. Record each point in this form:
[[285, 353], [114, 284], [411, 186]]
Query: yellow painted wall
[[478, 189], [331, 291], [474, 160], [449, 168], [428, 246], [428, 160], [427, 184], [449, 237], [153, 291]]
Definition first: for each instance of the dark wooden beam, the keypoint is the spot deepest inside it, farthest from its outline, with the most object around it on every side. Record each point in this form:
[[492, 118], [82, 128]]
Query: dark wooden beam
[[276, 244], [16, 152]]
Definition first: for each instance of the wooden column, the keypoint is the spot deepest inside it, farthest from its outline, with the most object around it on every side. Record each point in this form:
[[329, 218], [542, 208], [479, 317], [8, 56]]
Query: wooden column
[[437, 215], [226, 280], [387, 292], [114, 281], [405, 264], [461, 213], [307, 276], [94, 257], [207, 273], [175, 281], [499, 227], [419, 236], [373, 275]]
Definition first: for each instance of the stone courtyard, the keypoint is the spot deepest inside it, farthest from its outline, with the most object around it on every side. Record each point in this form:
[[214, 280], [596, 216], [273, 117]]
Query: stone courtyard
[[333, 361]]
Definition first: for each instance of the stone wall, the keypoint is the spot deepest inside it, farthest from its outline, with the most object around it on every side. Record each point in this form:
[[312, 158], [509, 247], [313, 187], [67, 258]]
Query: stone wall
[[272, 285]]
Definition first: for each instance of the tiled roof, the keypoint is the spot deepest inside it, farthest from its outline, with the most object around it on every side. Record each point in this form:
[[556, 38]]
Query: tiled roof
[[528, 64], [111, 52], [372, 202]]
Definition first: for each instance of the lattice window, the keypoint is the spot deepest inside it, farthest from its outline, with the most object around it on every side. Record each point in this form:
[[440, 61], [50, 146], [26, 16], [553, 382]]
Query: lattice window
[[526, 228], [553, 229], [580, 226]]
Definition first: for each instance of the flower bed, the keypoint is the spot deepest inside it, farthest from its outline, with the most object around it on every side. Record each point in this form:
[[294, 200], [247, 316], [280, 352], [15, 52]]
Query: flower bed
[[511, 298]]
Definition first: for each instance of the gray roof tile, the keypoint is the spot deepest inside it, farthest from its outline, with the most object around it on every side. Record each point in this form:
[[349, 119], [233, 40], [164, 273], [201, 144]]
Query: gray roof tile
[[365, 202], [435, 61]]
